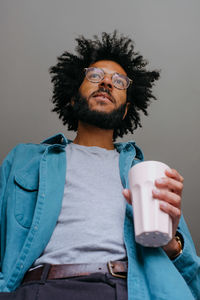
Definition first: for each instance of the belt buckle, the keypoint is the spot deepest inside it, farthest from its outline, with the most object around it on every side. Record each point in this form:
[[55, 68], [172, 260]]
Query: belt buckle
[[110, 266]]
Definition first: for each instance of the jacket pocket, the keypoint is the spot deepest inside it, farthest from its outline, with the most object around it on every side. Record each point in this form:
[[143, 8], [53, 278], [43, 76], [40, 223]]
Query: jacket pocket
[[26, 191]]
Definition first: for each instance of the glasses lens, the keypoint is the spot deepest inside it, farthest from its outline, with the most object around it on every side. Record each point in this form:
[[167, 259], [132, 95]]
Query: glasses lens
[[121, 81], [94, 74]]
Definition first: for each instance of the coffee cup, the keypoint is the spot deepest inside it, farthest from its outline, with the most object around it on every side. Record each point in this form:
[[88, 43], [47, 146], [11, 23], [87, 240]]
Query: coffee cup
[[153, 227]]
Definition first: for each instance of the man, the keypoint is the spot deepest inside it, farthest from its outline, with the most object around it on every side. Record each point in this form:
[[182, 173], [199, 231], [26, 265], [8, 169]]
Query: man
[[66, 229]]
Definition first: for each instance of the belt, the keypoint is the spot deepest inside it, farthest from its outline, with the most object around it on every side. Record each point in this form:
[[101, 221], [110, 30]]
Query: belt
[[115, 268]]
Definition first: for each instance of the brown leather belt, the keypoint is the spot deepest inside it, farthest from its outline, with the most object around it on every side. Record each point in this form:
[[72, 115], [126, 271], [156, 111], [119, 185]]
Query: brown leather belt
[[115, 268]]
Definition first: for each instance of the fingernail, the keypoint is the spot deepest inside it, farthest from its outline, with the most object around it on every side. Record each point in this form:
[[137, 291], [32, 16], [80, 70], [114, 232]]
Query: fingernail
[[169, 170], [163, 204], [160, 180], [156, 191]]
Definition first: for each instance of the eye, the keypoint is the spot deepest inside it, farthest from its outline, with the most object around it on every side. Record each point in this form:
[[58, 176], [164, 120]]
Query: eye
[[120, 82], [94, 75]]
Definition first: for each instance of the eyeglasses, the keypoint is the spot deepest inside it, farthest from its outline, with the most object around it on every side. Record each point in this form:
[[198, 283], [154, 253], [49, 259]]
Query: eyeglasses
[[96, 75]]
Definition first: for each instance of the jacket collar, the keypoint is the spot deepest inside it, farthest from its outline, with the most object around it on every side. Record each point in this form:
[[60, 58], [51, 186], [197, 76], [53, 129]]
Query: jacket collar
[[60, 139], [57, 139], [130, 147]]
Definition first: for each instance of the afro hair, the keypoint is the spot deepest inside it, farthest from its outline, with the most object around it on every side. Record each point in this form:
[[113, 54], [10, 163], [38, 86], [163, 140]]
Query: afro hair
[[68, 74]]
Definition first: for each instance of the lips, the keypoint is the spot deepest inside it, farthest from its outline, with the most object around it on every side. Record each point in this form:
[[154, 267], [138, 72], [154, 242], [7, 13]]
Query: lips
[[103, 95]]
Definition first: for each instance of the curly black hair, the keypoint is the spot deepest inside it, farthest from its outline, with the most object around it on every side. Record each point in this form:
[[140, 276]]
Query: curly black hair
[[68, 74]]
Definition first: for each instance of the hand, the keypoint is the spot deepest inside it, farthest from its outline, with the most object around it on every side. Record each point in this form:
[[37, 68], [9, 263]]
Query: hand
[[170, 198], [170, 201]]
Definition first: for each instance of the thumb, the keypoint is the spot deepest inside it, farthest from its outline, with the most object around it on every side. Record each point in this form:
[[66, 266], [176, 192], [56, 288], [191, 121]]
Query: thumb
[[127, 195]]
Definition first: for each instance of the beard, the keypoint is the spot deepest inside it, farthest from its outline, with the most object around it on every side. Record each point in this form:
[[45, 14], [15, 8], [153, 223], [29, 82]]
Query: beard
[[103, 120]]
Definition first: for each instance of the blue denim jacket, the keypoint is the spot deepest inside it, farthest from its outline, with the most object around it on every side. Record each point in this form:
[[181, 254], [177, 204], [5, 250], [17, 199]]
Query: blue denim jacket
[[32, 179]]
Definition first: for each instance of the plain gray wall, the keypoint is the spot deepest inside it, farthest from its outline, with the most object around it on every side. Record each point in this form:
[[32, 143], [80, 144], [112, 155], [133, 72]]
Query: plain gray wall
[[34, 33]]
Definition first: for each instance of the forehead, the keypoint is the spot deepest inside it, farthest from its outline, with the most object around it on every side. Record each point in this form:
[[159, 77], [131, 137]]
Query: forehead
[[109, 66]]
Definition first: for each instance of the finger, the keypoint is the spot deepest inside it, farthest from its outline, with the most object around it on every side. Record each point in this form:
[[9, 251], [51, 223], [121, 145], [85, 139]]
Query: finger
[[173, 211], [168, 197], [127, 195], [174, 174], [170, 183]]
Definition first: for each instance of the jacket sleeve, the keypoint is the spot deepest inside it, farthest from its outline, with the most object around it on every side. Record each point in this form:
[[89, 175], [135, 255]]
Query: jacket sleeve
[[5, 169], [188, 263]]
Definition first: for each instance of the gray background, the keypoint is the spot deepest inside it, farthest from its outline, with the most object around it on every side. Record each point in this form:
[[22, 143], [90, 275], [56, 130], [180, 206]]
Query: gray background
[[34, 33]]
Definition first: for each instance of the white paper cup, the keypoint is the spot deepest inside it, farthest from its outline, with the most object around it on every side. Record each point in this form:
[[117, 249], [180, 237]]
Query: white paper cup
[[153, 227]]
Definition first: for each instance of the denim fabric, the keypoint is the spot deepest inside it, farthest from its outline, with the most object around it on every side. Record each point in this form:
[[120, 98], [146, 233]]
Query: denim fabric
[[32, 179]]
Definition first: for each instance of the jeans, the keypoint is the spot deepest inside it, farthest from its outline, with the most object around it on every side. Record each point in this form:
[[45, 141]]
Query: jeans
[[95, 286]]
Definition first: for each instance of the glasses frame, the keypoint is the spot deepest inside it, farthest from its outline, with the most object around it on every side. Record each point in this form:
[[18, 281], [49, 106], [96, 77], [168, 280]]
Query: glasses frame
[[129, 81]]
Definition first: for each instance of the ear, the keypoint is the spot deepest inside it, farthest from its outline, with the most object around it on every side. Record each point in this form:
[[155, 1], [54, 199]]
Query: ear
[[126, 110]]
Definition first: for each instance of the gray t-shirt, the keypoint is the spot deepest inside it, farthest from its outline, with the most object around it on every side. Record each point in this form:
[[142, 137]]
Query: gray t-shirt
[[90, 225]]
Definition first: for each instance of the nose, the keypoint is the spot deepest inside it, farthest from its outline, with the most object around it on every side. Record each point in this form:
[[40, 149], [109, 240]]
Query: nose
[[106, 82]]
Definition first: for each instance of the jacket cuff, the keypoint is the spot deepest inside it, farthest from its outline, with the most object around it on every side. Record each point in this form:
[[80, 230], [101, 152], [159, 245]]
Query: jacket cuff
[[187, 262]]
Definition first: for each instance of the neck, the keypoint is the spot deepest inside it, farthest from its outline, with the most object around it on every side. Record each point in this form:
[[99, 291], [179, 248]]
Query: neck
[[89, 135]]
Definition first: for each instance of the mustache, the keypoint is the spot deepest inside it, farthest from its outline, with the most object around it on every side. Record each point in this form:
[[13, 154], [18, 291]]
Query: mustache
[[103, 90]]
